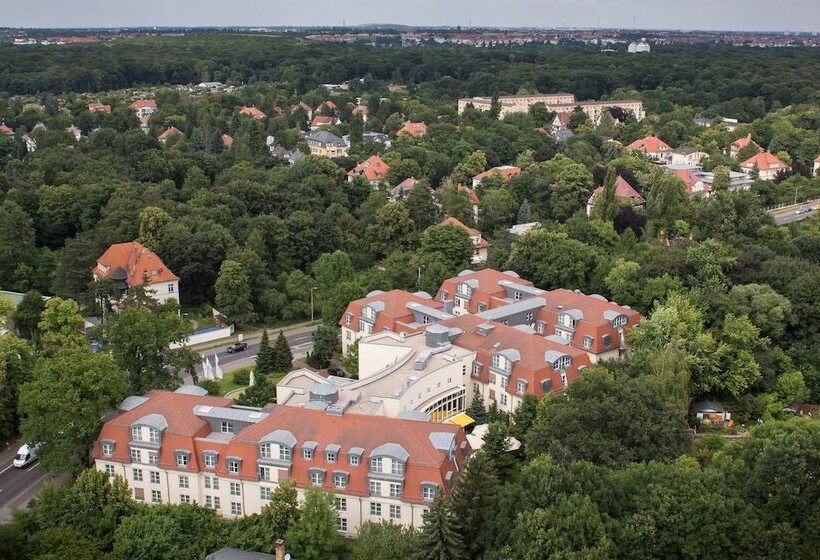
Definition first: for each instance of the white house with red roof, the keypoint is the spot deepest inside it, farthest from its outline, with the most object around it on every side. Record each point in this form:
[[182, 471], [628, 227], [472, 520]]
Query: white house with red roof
[[363, 111], [168, 133], [253, 112], [144, 107], [413, 129], [97, 107], [402, 190], [506, 172], [654, 148], [74, 132], [624, 192], [374, 169], [480, 245], [695, 184], [227, 141], [741, 143], [766, 164], [132, 264], [186, 447], [687, 155], [320, 121]]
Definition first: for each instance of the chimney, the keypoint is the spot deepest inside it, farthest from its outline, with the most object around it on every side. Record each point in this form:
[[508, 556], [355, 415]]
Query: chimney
[[280, 549]]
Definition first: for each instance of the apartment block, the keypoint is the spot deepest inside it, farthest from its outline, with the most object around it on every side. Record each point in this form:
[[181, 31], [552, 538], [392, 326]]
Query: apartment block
[[558, 102]]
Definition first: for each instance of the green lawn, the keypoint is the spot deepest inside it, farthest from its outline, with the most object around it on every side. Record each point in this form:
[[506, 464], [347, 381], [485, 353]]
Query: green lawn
[[228, 383]]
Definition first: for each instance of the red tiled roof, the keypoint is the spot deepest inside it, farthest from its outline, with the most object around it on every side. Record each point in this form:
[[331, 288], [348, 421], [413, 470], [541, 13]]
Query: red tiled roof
[[136, 261], [474, 200], [765, 161], [532, 365], [169, 131], [227, 140], [187, 431], [413, 129], [320, 120], [97, 106], [650, 145], [329, 104], [395, 316], [6, 130], [252, 112], [143, 104], [742, 142], [472, 232], [410, 182], [507, 172], [623, 191], [373, 168], [690, 180], [278, 111], [361, 110], [488, 291]]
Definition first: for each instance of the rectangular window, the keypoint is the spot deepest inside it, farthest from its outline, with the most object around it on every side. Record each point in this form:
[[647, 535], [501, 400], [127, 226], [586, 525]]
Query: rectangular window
[[476, 370], [396, 467], [428, 493], [529, 317], [153, 435], [107, 449], [264, 473], [153, 457], [284, 453], [184, 499], [482, 307], [139, 494], [227, 427], [137, 475], [236, 508], [316, 478], [109, 470], [233, 467], [376, 464], [354, 460], [156, 496], [136, 433], [207, 482], [210, 461], [212, 502], [136, 456], [182, 460], [264, 493], [341, 504], [395, 512], [235, 489], [395, 490], [521, 386], [504, 399], [587, 342], [154, 477], [341, 524], [348, 318], [170, 288], [330, 456], [184, 482], [340, 481], [307, 454], [264, 451], [375, 509], [375, 488]]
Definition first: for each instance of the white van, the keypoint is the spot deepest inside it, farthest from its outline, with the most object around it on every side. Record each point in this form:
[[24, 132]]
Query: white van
[[26, 455]]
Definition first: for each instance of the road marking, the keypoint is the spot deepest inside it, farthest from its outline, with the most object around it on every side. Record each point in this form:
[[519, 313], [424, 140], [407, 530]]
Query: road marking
[[7, 468], [32, 468]]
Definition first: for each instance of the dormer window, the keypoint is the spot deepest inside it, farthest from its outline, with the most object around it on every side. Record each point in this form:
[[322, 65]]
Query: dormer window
[[619, 322], [376, 464], [562, 363], [565, 320], [107, 448], [234, 464], [136, 433], [153, 435], [284, 453], [367, 312], [227, 427], [501, 362], [265, 451]]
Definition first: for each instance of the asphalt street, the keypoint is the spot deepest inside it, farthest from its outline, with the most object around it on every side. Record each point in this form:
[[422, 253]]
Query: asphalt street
[[18, 486], [299, 344], [789, 215]]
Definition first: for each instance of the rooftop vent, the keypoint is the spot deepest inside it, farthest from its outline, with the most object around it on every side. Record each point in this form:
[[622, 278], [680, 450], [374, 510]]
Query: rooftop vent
[[484, 329]]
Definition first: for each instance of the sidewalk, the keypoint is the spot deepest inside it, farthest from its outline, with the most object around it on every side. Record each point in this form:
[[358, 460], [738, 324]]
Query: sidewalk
[[256, 335]]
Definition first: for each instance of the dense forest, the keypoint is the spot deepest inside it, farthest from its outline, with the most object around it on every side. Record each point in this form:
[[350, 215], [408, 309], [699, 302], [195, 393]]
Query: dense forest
[[608, 470]]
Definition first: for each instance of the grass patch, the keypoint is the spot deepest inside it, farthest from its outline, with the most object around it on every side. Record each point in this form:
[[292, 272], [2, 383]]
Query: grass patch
[[228, 383]]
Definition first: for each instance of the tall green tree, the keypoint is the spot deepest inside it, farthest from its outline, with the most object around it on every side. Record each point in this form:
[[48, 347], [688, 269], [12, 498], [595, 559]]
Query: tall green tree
[[264, 356], [384, 541], [325, 342], [314, 536], [474, 503], [282, 357], [439, 538], [16, 362], [477, 409], [27, 315], [233, 293]]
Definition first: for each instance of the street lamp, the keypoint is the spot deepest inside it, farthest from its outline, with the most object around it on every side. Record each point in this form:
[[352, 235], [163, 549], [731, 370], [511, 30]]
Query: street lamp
[[311, 303]]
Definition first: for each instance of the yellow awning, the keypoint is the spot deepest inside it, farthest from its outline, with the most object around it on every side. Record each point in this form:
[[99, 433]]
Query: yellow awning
[[462, 420]]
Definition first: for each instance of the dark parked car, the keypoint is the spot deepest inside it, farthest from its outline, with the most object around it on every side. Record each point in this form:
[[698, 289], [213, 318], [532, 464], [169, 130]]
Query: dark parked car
[[336, 372], [237, 347]]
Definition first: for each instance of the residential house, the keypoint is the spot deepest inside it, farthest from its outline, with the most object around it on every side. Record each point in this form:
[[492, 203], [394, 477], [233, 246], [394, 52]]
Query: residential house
[[30, 143], [766, 164], [694, 183], [560, 122], [402, 190], [7, 131], [480, 245], [703, 121], [711, 412], [742, 142], [75, 132], [378, 137], [654, 148], [624, 192], [187, 447], [521, 229], [324, 143], [320, 121], [327, 107], [304, 107], [168, 133], [395, 311], [253, 112], [475, 201], [278, 111], [363, 111], [144, 107], [506, 172], [374, 169], [687, 155], [130, 264], [227, 141], [413, 129], [97, 107], [557, 102]]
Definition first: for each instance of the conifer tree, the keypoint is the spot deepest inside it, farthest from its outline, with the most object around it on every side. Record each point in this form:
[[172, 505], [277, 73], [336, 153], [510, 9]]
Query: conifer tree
[[496, 448], [282, 356], [524, 213], [474, 503], [477, 411], [264, 357], [439, 538]]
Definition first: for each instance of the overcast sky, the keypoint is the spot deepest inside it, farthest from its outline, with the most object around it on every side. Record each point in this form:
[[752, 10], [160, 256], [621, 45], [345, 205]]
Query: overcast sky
[[745, 15]]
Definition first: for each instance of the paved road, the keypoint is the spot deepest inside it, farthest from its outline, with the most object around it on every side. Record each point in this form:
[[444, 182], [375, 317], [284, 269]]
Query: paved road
[[787, 215], [18, 486], [299, 342]]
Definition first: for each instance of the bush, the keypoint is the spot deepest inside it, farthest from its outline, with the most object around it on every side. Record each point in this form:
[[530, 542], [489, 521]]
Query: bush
[[242, 377], [211, 386]]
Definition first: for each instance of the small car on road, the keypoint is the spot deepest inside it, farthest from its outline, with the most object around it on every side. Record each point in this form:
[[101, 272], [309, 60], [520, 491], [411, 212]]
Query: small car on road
[[237, 347], [803, 211]]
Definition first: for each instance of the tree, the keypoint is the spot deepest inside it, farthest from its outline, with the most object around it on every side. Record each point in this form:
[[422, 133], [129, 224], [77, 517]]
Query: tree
[[233, 292], [63, 404], [577, 119], [766, 309], [153, 222], [17, 247], [609, 422], [439, 538], [264, 356], [474, 503], [282, 358], [469, 167], [61, 326], [259, 394], [140, 338], [421, 207], [449, 241], [28, 312], [392, 230], [497, 449], [384, 541], [314, 536], [524, 213], [16, 361], [606, 203], [571, 187], [525, 415], [455, 202], [552, 260], [325, 342], [477, 409], [331, 269], [497, 209]]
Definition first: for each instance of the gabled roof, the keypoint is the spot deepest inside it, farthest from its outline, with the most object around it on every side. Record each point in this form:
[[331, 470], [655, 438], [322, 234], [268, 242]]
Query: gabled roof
[[690, 180], [507, 172], [143, 104], [131, 262], [623, 191], [472, 232], [413, 129], [227, 140], [393, 306], [373, 168], [252, 112], [764, 161], [6, 130], [744, 141], [97, 106], [474, 200], [169, 131], [319, 120], [650, 145]]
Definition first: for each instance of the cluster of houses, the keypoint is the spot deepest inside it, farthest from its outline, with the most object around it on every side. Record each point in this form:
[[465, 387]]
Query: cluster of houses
[[421, 360]]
